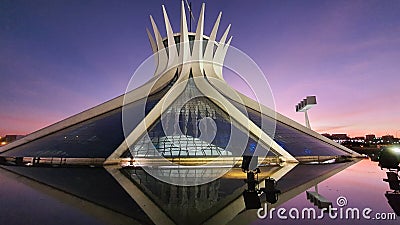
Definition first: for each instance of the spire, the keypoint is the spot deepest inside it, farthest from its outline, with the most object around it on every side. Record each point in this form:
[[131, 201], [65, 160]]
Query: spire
[[223, 38], [200, 24], [172, 50], [161, 55], [220, 53], [157, 34], [152, 42], [197, 52], [184, 51], [208, 54]]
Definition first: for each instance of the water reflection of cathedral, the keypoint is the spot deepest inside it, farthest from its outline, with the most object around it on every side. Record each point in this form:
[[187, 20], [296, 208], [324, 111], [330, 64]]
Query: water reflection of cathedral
[[181, 198]]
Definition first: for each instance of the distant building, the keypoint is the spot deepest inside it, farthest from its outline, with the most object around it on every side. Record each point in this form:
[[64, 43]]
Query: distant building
[[388, 139], [327, 135], [358, 139], [9, 138], [340, 137], [369, 137]]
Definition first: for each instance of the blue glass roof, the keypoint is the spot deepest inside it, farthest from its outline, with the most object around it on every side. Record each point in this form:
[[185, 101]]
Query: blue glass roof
[[294, 141], [97, 137]]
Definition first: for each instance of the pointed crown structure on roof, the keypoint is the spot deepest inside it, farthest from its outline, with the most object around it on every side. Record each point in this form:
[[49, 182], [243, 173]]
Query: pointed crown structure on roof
[[204, 53]]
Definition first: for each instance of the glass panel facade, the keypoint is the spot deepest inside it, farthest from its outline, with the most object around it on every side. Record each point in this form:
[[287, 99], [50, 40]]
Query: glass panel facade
[[294, 141], [97, 137], [194, 126], [302, 144]]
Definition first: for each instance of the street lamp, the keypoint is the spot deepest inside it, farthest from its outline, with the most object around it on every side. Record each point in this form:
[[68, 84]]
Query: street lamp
[[305, 105]]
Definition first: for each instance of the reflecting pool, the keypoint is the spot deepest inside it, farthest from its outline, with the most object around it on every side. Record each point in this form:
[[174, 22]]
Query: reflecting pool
[[128, 195]]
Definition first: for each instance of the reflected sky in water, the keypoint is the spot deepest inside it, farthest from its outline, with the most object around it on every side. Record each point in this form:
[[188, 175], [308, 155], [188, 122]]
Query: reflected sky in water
[[23, 204], [362, 186]]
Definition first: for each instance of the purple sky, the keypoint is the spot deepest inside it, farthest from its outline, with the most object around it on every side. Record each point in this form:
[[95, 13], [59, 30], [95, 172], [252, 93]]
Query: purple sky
[[58, 58]]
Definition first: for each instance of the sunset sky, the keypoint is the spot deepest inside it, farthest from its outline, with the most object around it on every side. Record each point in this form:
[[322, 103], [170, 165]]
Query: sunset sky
[[58, 58]]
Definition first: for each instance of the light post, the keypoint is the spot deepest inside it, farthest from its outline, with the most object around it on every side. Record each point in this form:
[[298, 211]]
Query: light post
[[314, 196], [305, 105]]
